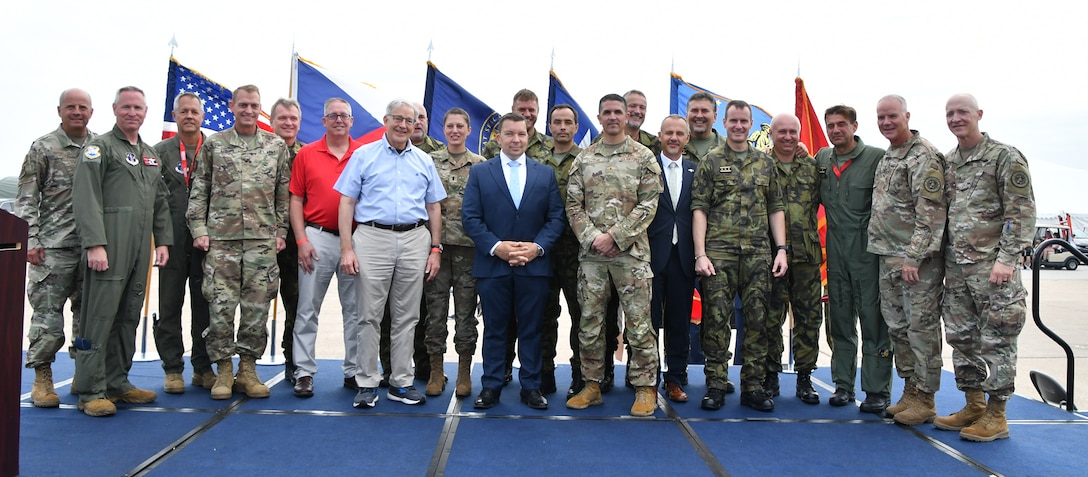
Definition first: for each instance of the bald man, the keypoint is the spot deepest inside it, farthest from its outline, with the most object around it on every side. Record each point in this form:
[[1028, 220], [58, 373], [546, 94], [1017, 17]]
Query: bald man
[[44, 200], [799, 289], [991, 218], [907, 231]]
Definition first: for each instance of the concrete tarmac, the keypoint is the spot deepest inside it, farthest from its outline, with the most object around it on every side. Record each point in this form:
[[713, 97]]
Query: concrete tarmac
[[1063, 307]]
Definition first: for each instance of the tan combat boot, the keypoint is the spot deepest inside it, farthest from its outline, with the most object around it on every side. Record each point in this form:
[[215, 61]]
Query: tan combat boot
[[909, 394], [436, 383], [247, 381], [173, 383], [43, 394], [971, 412], [645, 401], [224, 382], [921, 410], [589, 396], [97, 408], [204, 379], [134, 396], [991, 426], [464, 376]]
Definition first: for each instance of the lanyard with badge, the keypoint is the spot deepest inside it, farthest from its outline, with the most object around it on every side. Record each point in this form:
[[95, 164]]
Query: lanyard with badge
[[184, 161]]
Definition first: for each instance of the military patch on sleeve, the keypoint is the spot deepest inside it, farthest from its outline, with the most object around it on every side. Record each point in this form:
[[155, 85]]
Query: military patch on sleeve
[[92, 153], [1019, 180], [932, 184]]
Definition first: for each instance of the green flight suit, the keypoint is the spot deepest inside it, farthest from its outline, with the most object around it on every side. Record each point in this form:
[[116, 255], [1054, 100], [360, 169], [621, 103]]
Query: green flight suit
[[853, 273], [119, 200]]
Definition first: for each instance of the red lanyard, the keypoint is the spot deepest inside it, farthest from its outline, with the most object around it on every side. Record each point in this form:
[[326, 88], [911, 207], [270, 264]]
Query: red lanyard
[[200, 142], [838, 171]]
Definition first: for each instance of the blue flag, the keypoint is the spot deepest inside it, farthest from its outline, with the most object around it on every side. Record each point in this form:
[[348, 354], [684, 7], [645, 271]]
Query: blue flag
[[760, 135], [557, 94], [314, 85], [442, 93]]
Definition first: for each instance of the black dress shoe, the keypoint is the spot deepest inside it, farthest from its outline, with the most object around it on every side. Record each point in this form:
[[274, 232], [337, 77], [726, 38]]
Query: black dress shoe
[[351, 384], [730, 388], [770, 384], [609, 380], [547, 382], [875, 403], [304, 386], [758, 400], [841, 398], [534, 398], [487, 399], [714, 399]]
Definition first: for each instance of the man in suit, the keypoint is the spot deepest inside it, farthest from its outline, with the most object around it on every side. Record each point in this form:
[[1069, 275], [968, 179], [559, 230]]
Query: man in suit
[[672, 254], [513, 213]]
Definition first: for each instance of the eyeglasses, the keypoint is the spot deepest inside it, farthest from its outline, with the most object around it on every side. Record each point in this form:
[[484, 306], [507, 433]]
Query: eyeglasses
[[334, 116], [401, 119]]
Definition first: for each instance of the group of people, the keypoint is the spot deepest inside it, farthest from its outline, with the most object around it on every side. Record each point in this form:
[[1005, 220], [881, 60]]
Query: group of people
[[634, 222]]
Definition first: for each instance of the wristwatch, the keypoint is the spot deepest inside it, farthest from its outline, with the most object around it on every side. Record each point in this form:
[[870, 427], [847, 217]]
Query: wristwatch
[[782, 247], [438, 246], [539, 250]]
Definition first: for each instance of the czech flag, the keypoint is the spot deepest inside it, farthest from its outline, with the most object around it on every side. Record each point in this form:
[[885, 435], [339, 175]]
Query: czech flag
[[313, 85]]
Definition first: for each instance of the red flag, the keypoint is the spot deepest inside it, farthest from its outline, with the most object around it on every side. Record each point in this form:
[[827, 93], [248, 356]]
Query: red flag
[[812, 135]]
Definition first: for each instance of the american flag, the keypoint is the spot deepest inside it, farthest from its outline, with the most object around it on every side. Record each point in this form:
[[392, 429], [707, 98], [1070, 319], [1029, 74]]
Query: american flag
[[217, 115]]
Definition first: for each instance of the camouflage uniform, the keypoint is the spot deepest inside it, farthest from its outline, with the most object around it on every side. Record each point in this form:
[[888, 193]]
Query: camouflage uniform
[[717, 140], [119, 201], [738, 197], [991, 217], [907, 228], [185, 264], [287, 260], [800, 288], [615, 192], [646, 139], [539, 148], [239, 200], [852, 273], [565, 278], [430, 144], [45, 202], [456, 269]]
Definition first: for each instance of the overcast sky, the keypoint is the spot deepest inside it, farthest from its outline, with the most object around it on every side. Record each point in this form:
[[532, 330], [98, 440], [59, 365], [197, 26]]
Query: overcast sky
[[1025, 61]]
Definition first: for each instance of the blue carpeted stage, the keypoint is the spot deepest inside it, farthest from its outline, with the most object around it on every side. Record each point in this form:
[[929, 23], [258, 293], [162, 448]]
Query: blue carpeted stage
[[191, 434]]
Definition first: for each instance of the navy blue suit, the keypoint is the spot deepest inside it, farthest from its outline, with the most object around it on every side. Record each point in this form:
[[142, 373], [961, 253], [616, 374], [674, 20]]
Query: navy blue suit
[[674, 270], [489, 216]]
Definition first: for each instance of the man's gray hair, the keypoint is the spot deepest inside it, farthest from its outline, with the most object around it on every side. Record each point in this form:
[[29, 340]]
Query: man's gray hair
[[286, 103], [328, 102], [396, 103], [188, 94]]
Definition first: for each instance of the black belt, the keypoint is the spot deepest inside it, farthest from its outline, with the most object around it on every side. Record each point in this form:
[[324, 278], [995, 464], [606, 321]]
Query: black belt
[[395, 227], [323, 229]]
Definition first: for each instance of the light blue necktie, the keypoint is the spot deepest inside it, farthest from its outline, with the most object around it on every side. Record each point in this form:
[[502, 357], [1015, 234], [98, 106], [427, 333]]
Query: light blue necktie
[[515, 183]]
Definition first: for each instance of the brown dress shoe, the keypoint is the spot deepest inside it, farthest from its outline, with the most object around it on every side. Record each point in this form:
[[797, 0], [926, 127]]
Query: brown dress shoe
[[675, 392]]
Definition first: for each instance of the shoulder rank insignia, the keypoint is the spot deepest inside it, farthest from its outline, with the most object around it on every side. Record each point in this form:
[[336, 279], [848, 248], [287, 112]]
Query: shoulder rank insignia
[[725, 169], [822, 171]]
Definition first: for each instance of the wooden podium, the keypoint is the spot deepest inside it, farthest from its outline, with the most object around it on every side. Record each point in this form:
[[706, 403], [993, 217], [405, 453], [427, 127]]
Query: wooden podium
[[13, 241]]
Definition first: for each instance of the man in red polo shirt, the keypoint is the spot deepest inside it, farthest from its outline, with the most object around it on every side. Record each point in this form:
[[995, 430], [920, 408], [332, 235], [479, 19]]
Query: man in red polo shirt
[[314, 205]]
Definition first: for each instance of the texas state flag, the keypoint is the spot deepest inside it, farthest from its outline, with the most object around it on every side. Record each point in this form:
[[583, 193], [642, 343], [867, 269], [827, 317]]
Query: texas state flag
[[760, 134], [558, 94], [314, 85]]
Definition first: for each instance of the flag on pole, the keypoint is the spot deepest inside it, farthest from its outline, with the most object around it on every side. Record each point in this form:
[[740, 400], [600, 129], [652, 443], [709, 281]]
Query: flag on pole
[[558, 94], [760, 135], [442, 93], [216, 97], [313, 85], [812, 135]]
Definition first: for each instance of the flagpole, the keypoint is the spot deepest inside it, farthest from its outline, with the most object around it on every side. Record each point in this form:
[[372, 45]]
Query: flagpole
[[173, 43], [552, 66], [430, 49]]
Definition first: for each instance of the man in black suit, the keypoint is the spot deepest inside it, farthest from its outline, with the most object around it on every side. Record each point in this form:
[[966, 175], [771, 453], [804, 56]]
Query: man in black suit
[[672, 254], [513, 213]]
